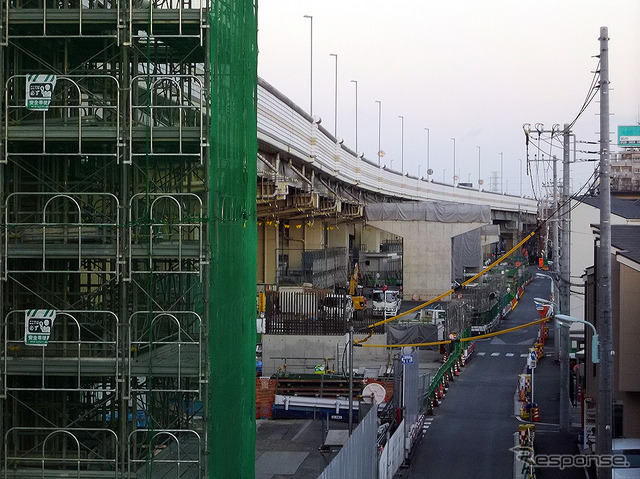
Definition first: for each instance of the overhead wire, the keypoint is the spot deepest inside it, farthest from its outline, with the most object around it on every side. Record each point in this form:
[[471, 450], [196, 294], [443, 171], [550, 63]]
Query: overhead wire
[[559, 208]]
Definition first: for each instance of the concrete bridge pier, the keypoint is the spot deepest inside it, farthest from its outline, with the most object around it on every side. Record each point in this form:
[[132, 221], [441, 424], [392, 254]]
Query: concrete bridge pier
[[431, 232]]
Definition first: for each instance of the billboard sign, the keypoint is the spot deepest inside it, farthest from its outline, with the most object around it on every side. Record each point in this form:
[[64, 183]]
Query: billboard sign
[[629, 136]]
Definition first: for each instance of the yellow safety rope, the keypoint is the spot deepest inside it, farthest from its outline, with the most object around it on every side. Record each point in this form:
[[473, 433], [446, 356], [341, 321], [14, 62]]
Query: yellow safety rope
[[452, 290], [461, 340]]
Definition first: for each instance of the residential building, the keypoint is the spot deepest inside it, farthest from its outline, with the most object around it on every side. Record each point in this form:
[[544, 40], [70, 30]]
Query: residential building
[[625, 286]]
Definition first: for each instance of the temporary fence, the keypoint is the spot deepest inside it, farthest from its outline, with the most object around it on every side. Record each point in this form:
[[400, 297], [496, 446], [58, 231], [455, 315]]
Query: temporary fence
[[310, 312], [446, 373], [392, 455], [358, 457]]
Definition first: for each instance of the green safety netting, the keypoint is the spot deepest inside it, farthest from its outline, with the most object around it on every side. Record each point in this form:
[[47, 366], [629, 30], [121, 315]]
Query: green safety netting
[[233, 233]]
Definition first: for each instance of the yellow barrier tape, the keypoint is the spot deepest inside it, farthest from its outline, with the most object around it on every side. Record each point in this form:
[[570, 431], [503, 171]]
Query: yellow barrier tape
[[461, 340], [438, 298]]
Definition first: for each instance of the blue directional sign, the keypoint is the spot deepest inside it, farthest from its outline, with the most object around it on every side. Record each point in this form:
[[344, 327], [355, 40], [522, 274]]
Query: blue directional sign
[[407, 359], [532, 360]]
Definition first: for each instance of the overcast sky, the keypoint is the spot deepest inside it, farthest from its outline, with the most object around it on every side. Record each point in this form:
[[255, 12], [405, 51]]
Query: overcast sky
[[471, 70]]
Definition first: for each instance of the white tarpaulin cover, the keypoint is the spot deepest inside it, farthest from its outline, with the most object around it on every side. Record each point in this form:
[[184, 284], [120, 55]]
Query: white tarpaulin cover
[[441, 212]]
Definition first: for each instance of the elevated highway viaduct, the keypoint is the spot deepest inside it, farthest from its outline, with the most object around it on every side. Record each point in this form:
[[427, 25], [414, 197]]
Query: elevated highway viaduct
[[322, 207]]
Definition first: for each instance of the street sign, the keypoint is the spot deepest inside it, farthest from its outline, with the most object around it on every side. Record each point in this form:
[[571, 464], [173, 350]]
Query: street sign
[[39, 91], [38, 324], [532, 360], [407, 359]]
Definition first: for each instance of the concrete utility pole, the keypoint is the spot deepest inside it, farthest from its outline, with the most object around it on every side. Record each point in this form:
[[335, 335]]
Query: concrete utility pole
[[605, 326], [556, 253], [563, 284]]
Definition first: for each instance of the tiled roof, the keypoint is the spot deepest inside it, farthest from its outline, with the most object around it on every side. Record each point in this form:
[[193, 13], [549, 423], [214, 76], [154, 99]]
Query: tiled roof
[[627, 239], [629, 209]]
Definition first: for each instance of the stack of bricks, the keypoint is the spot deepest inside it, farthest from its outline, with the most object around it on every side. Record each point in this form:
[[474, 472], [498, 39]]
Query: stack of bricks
[[265, 396]]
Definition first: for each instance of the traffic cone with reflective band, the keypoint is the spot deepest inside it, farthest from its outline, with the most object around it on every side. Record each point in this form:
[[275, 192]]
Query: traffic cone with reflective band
[[455, 369], [539, 350], [535, 413]]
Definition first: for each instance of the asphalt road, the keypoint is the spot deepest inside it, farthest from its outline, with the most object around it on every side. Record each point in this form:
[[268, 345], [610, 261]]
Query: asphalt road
[[471, 433]]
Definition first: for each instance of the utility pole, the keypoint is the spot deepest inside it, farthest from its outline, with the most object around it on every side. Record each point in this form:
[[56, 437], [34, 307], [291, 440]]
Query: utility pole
[[605, 326], [563, 284], [556, 253]]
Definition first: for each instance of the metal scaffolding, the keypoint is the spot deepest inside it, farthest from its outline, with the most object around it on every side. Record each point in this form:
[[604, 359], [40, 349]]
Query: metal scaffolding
[[104, 174]]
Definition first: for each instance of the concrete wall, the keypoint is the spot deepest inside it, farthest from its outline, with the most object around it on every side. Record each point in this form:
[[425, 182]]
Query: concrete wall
[[337, 234], [426, 254], [371, 238], [302, 353], [267, 245], [314, 234]]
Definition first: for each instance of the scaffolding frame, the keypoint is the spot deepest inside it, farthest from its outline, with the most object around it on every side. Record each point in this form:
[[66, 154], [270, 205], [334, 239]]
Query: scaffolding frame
[[105, 205]]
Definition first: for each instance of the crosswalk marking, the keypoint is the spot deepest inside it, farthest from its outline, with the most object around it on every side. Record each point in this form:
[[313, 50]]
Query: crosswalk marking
[[427, 422], [496, 354]]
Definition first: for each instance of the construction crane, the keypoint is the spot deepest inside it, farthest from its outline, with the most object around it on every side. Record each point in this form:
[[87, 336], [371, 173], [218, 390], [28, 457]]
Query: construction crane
[[359, 301]]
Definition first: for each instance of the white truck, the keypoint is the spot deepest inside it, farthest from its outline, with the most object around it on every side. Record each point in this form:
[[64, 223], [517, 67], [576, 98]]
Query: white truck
[[385, 302], [337, 306]]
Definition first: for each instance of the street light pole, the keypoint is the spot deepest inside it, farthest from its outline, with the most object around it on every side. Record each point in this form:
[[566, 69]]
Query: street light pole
[[310, 17], [356, 83], [501, 175], [428, 165], [454, 161], [401, 144], [479, 177], [562, 318], [520, 160], [379, 126], [335, 102]]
